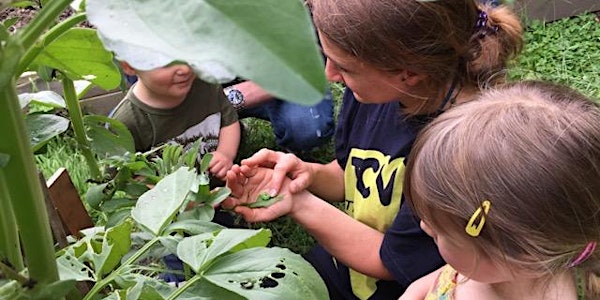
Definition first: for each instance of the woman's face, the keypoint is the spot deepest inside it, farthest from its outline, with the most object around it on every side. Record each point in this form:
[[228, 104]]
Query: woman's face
[[370, 85]]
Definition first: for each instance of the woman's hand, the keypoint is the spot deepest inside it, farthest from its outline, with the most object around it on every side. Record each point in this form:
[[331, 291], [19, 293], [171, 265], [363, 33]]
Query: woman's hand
[[247, 184], [284, 165]]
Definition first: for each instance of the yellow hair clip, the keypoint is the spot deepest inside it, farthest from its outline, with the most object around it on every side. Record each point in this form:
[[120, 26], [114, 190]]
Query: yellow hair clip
[[474, 229]]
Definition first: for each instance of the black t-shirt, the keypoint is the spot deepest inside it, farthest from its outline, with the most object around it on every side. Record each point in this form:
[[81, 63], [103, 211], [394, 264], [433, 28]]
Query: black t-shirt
[[372, 143]]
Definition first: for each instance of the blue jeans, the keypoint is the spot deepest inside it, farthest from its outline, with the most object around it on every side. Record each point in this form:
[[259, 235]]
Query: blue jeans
[[297, 127]]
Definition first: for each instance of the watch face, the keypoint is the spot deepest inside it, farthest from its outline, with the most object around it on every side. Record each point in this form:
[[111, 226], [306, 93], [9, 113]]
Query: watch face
[[235, 97]]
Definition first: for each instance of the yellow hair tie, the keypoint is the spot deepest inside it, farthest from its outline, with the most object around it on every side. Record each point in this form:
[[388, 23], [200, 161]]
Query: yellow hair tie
[[474, 229]]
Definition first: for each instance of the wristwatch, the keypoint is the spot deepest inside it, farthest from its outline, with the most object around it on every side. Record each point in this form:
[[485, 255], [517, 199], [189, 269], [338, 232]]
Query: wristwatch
[[235, 97]]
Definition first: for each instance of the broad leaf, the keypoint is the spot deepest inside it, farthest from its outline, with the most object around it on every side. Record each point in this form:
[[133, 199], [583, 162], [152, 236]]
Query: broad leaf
[[56, 290], [151, 288], [156, 208], [108, 137], [271, 42], [267, 273], [69, 267], [197, 250], [80, 55], [47, 98], [43, 127], [193, 227]]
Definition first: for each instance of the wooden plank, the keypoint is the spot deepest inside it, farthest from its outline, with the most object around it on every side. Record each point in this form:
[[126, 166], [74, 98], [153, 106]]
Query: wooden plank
[[58, 229], [67, 203], [550, 10]]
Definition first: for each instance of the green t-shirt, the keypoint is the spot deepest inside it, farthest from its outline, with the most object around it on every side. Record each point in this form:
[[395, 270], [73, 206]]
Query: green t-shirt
[[202, 114]]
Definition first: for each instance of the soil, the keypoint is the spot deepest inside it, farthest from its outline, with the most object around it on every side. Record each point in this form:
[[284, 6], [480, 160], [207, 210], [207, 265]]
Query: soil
[[25, 15]]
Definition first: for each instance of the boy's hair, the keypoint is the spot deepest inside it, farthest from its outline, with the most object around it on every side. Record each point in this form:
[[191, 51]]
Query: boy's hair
[[533, 150], [439, 39]]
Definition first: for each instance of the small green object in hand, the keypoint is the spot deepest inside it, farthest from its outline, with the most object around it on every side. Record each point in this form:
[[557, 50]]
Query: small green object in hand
[[264, 200]]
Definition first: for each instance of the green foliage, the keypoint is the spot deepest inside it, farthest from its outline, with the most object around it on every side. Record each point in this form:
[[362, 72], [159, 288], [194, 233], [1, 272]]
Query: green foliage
[[565, 51], [270, 42], [221, 259], [62, 152], [109, 255]]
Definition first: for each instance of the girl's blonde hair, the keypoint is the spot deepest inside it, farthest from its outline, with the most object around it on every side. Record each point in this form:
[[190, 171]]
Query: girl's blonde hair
[[532, 149], [439, 39]]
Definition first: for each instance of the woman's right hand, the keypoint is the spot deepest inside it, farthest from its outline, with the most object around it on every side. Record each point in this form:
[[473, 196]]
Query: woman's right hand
[[283, 165], [247, 186]]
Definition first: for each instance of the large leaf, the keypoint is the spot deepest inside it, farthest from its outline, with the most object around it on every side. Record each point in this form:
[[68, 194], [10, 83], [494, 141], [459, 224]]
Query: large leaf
[[108, 137], [156, 208], [43, 127], [69, 267], [197, 250], [267, 273], [80, 54], [47, 98], [271, 42]]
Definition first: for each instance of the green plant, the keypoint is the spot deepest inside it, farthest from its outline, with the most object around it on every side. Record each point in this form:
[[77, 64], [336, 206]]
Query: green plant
[[565, 51], [23, 219]]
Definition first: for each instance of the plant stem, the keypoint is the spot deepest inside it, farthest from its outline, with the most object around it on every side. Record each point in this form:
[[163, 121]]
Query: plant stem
[[47, 39], [108, 279], [182, 289], [24, 189], [10, 248], [77, 122], [46, 16]]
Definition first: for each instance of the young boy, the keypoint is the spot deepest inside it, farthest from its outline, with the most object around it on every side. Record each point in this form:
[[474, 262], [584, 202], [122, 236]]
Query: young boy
[[171, 104]]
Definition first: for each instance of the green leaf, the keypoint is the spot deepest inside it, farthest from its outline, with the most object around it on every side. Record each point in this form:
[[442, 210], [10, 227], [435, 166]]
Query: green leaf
[[151, 288], [199, 212], [205, 290], [12, 290], [43, 127], [156, 208], [205, 162], [119, 238], [98, 193], [273, 272], [271, 42], [69, 267], [198, 250], [193, 227], [80, 55], [54, 290], [117, 203], [115, 218], [47, 98], [108, 137]]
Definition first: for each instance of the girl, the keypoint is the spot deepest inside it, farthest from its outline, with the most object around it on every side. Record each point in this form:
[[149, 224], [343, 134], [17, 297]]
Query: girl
[[403, 62], [509, 189]]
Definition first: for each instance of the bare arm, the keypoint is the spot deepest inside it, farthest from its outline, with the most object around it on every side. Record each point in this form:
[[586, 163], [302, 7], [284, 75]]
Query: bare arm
[[229, 141], [419, 288], [351, 242], [328, 181]]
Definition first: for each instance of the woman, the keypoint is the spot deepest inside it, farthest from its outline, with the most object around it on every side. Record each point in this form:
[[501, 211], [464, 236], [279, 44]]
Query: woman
[[403, 62]]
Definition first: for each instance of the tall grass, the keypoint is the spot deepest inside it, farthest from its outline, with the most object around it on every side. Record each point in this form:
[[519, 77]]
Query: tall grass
[[61, 152]]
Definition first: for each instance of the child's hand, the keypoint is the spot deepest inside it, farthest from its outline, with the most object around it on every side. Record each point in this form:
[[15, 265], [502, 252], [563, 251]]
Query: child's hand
[[219, 165]]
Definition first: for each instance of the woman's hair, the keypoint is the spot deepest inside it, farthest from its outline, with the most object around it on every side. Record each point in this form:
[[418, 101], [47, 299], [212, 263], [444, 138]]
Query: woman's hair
[[532, 149], [437, 38]]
